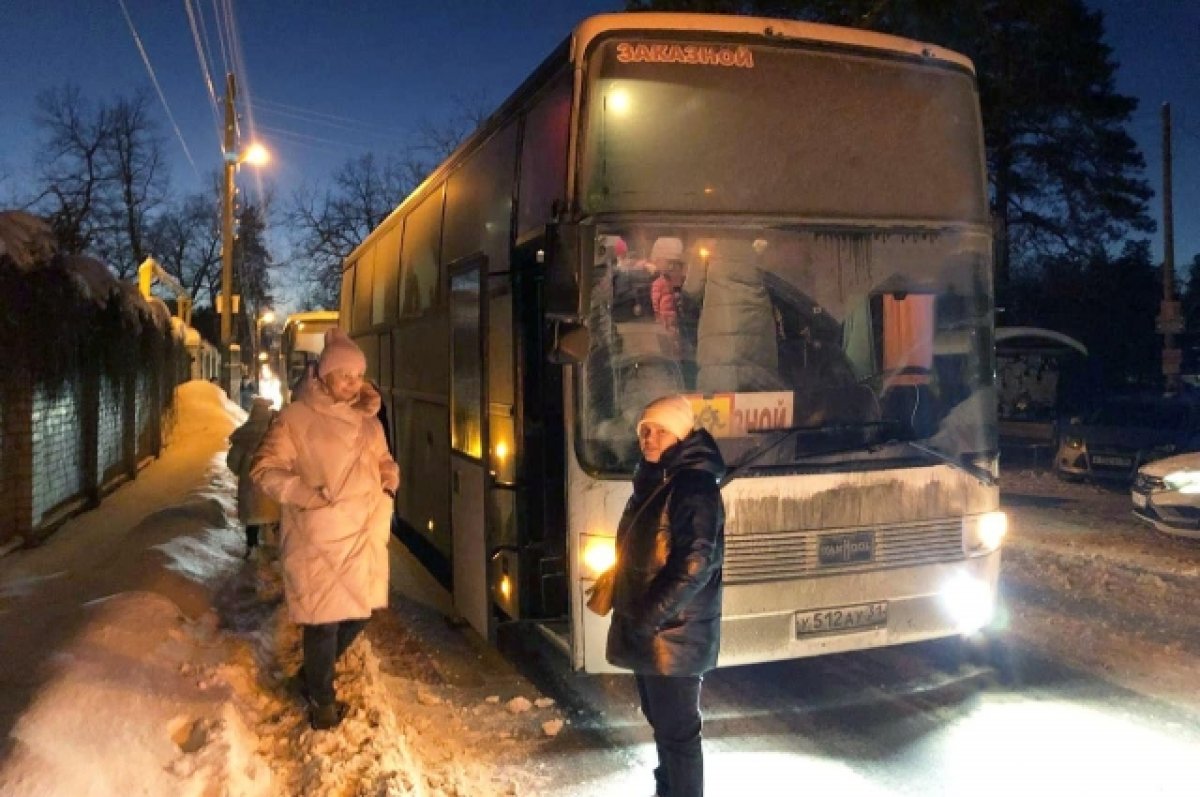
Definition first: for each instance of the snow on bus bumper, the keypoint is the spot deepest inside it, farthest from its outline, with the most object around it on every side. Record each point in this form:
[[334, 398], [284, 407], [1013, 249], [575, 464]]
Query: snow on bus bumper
[[813, 617]]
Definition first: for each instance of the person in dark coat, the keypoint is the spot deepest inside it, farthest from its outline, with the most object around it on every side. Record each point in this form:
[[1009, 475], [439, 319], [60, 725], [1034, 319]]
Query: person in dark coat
[[255, 508], [666, 622]]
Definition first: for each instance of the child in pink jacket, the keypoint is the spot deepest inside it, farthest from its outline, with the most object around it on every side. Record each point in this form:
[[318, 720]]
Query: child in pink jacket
[[326, 461]]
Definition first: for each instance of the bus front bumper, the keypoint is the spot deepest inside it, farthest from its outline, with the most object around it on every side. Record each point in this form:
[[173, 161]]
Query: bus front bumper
[[816, 616]]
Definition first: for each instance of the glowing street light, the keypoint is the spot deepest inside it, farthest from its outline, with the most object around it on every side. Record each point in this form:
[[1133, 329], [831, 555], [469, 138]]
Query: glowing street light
[[256, 155]]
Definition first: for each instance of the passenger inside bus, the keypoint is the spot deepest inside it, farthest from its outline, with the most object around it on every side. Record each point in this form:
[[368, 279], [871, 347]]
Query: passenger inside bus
[[736, 347], [805, 321]]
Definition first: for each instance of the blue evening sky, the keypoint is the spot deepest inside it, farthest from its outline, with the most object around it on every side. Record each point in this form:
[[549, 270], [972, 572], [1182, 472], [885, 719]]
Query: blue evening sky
[[331, 80]]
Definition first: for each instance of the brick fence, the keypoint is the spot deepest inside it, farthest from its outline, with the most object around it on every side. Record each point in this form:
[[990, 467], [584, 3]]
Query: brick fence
[[88, 396]]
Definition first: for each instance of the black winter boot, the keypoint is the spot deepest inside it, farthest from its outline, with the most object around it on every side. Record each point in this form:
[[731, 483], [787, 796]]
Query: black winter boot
[[325, 716]]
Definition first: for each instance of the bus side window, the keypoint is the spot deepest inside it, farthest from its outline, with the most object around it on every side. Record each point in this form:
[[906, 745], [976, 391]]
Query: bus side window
[[420, 287], [387, 276], [479, 202], [347, 297], [544, 156], [363, 292]]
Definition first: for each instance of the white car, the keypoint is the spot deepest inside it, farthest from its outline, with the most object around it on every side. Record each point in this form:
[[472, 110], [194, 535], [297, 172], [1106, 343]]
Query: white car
[[1166, 494]]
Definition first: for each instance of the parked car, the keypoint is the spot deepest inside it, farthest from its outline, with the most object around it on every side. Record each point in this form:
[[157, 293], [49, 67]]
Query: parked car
[[1121, 434], [1166, 494]]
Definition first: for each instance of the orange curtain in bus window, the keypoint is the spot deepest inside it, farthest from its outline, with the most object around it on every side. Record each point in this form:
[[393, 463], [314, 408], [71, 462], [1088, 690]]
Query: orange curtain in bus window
[[908, 337]]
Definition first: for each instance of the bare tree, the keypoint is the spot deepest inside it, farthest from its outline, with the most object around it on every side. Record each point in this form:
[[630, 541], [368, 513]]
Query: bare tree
[[332, 223], [186, 240], [71, 166], [252, 259], [437, 140], [101, 172], [136, 176]]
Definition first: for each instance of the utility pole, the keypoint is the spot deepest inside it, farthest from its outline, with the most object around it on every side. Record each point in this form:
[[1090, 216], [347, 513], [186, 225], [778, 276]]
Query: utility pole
[[232, 364], [1170, 320]]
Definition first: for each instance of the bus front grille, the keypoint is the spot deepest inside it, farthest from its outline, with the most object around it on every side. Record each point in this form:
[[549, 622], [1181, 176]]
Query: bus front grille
[[781, 555]]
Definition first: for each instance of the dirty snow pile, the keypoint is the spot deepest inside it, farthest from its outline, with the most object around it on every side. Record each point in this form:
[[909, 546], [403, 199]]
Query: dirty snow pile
[[143, 655]]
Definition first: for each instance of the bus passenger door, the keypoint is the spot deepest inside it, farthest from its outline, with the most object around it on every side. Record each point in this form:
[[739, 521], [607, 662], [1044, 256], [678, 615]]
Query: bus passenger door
[[468, 469], [541, 532]]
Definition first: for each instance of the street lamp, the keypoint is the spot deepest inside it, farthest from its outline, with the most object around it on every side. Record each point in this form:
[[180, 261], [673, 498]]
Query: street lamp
[[255, 155]]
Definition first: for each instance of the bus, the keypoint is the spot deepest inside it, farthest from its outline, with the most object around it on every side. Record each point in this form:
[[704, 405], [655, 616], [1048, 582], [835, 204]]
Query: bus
[[301, 344], [785, 222]]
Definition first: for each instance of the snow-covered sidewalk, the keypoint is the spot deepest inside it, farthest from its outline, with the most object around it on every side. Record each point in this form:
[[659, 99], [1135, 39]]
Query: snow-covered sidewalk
[[142, 655]]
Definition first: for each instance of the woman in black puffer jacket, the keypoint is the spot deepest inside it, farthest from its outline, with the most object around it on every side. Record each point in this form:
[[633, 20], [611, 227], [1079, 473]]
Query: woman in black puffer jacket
[[666, 623]]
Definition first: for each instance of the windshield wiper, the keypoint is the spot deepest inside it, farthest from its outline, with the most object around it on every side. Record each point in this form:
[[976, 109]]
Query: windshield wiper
[[982, 474], [788, 431]]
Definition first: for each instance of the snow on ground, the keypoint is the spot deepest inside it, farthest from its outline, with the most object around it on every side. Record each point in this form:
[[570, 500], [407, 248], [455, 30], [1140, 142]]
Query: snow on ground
[[1093, 586], [142, 655]]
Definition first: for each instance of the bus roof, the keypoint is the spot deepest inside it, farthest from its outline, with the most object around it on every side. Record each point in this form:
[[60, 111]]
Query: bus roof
[[586, 31], [595, 26], [311, 316]]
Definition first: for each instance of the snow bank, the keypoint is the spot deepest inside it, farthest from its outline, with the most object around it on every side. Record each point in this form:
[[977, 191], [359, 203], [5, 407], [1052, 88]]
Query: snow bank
[[163, 660]]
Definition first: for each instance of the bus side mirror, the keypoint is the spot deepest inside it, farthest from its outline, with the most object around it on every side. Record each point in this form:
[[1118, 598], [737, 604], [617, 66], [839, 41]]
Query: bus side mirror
[[571, 343], [566, 285]]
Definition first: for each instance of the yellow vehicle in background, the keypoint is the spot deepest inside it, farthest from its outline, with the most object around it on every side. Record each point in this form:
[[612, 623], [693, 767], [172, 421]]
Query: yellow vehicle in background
[[302, 342]]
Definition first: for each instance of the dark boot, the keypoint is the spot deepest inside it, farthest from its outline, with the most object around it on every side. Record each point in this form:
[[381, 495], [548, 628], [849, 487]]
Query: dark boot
[[325, 716], [251, 539], [296, 684]]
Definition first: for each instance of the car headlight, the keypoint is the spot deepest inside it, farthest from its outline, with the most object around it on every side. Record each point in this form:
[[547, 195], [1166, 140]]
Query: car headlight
[[983, 533], [1185, 481], [598, 554]]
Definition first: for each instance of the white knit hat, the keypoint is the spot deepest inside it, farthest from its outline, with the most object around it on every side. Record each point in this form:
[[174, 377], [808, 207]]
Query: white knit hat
[[667, 249], [340, 353], [673, 413]]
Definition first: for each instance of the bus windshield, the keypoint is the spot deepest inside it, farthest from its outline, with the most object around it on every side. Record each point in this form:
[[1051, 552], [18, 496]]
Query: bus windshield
[[778, 129], [771, 327]]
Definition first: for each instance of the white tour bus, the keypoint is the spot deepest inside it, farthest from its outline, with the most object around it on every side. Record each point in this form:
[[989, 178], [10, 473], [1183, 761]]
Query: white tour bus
[[786, 222]]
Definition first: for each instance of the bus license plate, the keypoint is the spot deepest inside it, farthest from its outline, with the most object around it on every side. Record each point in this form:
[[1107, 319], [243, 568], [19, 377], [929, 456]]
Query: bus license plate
[[842, 619]]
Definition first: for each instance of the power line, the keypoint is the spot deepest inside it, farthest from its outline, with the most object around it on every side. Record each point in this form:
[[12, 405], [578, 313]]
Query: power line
[[301, 112], [220, 35], [378, 132], [239, 69], [208, 51], [284, 141], [306, 137], [154, 79], [204, 70]]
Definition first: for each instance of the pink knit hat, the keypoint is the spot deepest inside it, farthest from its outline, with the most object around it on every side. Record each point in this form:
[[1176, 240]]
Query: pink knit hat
[[340, 353], [673, 413]]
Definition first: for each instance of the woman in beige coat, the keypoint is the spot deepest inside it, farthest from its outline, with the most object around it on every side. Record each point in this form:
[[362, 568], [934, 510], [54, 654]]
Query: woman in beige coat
[[326, 462]]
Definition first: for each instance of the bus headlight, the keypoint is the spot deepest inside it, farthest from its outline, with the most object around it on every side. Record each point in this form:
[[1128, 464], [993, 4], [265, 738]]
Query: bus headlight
[[598, 555], [983, 533], [969, 601]]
